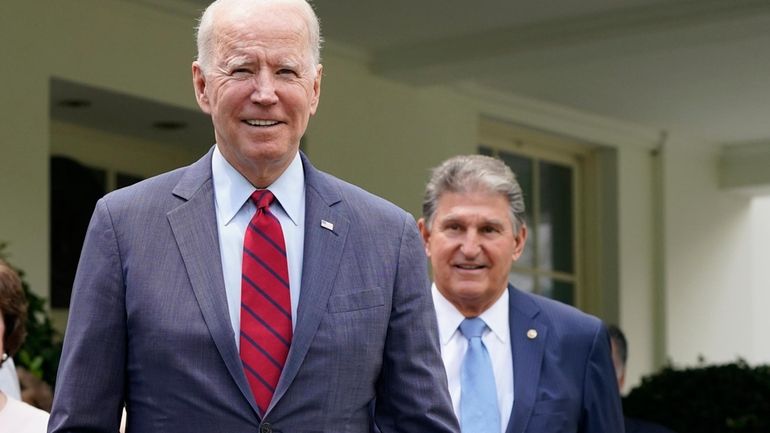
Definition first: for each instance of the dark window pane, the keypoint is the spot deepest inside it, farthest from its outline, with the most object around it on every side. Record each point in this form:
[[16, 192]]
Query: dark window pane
[[123, 180], [522, 167], [555, 226], [75, 189], [563, 291]]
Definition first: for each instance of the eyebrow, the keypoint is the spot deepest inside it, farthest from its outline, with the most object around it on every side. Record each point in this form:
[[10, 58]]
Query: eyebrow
[[448, 219], [236, 61]]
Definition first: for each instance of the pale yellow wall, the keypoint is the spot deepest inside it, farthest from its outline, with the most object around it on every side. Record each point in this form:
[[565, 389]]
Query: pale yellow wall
[[119, 153], [383, 135], [24, 144], [117, 45]]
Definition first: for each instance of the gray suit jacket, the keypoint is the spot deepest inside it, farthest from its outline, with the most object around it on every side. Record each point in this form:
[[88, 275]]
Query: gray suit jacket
[[149, 324]]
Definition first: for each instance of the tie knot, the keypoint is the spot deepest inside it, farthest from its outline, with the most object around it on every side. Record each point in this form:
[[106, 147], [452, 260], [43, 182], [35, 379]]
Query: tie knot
[[472, 327], [262, 198]]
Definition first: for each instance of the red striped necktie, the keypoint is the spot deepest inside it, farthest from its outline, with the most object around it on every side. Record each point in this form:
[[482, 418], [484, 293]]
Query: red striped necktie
[[265, 301]]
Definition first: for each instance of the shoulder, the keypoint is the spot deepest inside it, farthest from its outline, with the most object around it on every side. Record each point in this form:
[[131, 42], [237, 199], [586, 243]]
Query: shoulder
[[564, 320], [162, 190], [148, 189], [357, 202]]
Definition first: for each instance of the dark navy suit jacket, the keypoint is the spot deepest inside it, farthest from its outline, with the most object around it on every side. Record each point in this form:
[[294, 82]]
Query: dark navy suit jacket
[[563, 377]]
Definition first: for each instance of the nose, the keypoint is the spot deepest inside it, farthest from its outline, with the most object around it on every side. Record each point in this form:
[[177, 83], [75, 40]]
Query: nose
[[264, 89], [471, 245]]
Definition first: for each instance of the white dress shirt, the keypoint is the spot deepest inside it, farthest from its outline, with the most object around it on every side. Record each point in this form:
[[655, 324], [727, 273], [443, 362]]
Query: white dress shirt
[[235, 210], [497, 339]]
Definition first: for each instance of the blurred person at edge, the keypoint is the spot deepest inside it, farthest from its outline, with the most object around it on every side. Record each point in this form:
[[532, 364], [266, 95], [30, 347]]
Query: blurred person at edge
[[619, 358], [15, 415]]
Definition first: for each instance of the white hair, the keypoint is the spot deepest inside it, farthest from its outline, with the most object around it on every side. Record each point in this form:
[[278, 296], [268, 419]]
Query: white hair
[[206, 34]]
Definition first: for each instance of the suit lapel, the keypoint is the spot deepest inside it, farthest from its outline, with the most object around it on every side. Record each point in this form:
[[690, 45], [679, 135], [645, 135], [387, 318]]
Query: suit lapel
[[321, 262], [195, 230], [527, 357]]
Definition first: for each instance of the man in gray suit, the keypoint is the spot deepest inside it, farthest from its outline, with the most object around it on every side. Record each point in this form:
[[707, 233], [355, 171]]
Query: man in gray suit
[[161, 291], [516, 362]]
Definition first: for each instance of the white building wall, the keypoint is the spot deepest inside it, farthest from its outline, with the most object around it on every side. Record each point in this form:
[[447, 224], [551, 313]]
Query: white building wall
[[637, 267], [760, 276], [708, 279]]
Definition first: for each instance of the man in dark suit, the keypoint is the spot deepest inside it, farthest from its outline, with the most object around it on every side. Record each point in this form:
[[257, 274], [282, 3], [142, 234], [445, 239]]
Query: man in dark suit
[[619, 359], [249, 291], [536, 364]]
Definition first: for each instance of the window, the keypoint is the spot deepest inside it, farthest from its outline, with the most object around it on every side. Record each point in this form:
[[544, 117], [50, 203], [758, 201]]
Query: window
[[75, 188], [548, 169]]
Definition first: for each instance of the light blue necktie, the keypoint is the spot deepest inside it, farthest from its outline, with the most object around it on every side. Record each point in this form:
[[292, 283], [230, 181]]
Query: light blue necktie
[[478, 397]]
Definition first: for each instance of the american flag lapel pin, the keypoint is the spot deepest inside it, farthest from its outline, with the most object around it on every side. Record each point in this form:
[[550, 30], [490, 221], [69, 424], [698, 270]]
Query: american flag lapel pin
[[327, 225]]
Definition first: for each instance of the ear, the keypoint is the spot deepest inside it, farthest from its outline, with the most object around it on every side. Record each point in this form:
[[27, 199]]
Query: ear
[[622, 380], [521, 241], [425, 233], [199, 85], [316, 97]]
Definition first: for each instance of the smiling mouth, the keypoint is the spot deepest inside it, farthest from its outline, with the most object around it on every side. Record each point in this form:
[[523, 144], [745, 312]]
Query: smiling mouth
[[469, 267], [261, 123]]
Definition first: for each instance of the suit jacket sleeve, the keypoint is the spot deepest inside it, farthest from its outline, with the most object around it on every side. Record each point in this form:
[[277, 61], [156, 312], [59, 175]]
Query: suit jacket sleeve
[[602, 412], [412, 394], [90, 381]]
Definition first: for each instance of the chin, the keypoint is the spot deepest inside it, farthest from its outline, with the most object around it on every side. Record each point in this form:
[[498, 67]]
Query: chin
[[270, 150], [472, 291]]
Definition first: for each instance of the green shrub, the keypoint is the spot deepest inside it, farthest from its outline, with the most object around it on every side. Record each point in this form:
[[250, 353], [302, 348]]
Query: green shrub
[[728, 398]]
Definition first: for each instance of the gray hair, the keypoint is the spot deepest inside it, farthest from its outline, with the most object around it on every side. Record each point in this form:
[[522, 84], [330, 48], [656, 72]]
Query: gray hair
[[205, 34], [474, 173]]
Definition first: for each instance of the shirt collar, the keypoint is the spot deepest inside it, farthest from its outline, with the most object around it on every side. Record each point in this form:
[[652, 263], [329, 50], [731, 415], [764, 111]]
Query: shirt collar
[[232, 190], [449, 317]]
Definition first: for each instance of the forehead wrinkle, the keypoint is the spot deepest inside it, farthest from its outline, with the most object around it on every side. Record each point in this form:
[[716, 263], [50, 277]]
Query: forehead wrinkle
[[242, 27], [472, 218], [278, 50], [236, 61]]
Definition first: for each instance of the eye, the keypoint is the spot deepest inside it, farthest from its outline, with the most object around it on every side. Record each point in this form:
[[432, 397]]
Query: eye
[[241, 73], [489, 229], [287, 71], [453, 227]]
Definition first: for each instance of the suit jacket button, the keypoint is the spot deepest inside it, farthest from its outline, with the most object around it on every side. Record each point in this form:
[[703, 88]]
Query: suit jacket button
[[265, 428]]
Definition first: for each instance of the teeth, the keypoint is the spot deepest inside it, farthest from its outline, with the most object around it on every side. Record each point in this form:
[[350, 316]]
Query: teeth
[[262, 122]]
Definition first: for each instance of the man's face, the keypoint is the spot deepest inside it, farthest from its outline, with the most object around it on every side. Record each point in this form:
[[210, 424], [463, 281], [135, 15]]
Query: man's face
[[471, 245], [261, 88]]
